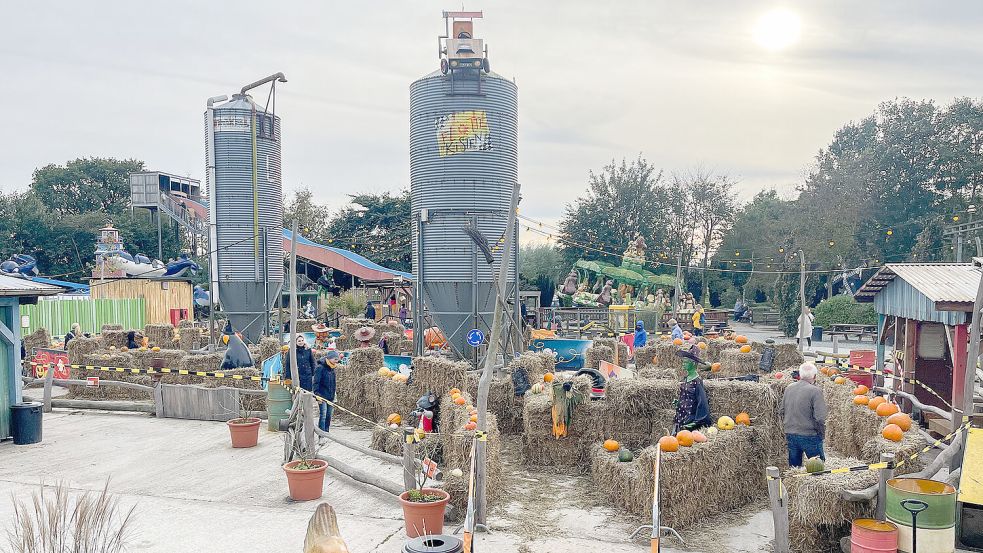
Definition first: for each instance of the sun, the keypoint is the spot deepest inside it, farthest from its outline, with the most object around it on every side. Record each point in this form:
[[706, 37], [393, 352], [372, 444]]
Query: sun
[[777, 30]]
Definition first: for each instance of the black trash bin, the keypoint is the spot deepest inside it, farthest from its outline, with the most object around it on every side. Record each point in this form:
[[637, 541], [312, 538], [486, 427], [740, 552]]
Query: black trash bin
[[817, 334], [434, 544], [25, 422]]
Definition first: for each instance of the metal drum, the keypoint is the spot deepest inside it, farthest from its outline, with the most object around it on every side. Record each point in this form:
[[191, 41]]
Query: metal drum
[[936, 524], [278, 402], [873, 536]]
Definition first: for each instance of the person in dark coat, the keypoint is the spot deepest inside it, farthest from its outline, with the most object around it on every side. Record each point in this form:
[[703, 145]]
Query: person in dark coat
[[131, 340], [72, 334], [369, 311], [325, 378], [305, 365]]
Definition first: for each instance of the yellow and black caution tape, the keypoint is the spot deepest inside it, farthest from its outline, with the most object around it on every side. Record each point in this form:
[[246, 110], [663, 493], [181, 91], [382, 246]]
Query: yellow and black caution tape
[[163, 370], [914, 381], [934, 444]]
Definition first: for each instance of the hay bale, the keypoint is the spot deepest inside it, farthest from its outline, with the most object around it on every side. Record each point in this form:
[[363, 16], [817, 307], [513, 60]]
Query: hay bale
[[786, 354], [818, 516], [596, 354], [438, 375], [268, 347], [663, 373], [865, 425], [79, 348], [541, 448], [697, 482], [536, 365], [107, 326], [143, 358], [366, 360], [735, 363], [616, 346], [717, 346], [645, 356], [109, 393], [190, 338], [348, 391], [160, 335], [906, 450], [395, 397], [665, 355], [113, 338], [39, 339], [200, 362], [350, 326], [640, 398]]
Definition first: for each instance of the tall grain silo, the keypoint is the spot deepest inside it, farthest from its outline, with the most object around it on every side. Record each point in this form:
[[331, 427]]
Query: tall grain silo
[[245, 209], [463, 170]]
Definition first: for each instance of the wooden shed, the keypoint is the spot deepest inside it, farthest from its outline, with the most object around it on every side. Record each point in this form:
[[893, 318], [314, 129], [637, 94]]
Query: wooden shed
[[927, 309], [166, 300], [13, 292]]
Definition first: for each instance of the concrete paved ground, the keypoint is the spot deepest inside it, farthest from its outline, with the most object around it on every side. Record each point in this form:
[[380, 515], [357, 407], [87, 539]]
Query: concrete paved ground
[[193, 492]]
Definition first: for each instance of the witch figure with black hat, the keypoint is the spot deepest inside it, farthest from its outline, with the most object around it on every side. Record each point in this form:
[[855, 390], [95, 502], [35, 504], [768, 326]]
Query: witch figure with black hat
[[692, 407], [237, 356]]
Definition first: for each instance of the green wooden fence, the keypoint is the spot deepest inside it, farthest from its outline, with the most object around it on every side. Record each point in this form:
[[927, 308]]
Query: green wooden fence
[[57, 315]]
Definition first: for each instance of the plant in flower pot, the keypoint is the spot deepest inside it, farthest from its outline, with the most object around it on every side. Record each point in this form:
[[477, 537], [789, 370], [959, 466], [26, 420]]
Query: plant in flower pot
[[244, 429], [305, 474], [423, 507]]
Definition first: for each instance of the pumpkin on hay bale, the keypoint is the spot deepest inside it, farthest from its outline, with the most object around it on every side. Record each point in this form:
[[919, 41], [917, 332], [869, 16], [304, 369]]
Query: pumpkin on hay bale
[[733, 362], [864, 425], [594, 355], [391, 441], [159, 334], [456, 447], [645, 356], [724, 473], [910, 445], [818, 516]]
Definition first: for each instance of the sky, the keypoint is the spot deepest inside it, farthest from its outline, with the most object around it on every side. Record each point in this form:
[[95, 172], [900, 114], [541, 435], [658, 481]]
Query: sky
[[687, 85]]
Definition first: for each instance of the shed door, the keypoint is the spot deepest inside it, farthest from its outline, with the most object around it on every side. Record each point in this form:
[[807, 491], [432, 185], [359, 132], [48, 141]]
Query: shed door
[[934, 364]]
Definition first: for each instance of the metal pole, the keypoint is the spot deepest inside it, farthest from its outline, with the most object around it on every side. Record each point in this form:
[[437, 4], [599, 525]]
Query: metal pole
[[802, 297], [959, 248], [294, 374], [266, 282], [884, 475], [418, 330], [160, 238], [212, 232], [779, 509], [484, 384]]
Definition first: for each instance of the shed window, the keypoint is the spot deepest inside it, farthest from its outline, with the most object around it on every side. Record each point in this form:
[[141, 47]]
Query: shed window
[[931, 341]]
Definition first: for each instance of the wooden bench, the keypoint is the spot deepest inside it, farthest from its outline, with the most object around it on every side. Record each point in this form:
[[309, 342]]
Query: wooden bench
[[765, 317]]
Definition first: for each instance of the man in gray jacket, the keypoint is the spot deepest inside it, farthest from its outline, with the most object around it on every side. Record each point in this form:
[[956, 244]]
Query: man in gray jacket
[[803, 411]]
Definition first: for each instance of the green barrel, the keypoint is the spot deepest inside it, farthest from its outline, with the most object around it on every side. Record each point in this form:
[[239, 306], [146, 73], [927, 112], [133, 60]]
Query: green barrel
[[936, 524], [278, 402]]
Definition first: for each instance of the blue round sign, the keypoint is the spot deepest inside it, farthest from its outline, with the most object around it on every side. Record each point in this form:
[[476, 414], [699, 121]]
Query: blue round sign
[[475, 337]]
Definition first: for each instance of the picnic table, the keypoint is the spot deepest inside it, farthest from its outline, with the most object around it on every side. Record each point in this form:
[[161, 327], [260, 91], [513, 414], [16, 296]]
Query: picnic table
[[858, 330], [763, 316]]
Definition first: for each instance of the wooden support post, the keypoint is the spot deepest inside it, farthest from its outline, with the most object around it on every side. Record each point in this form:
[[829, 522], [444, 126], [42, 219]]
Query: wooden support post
[[779, 509], [409, 466], [884, 475], [49, 377], [802, 299], [310, 420], [159, 400]]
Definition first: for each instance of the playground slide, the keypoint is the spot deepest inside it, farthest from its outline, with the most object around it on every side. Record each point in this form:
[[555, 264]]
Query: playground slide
[[336, 258]]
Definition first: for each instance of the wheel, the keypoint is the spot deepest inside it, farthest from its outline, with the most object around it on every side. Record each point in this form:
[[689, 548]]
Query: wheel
[[443, 66], [485, 66]]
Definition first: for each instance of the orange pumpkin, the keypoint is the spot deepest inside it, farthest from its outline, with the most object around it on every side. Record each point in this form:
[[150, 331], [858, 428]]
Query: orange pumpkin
[[471, 426], [685, 438], [687, 335], [743, 418], [455, 391], [874, 402], [701, 345], [474, 418], [741, 339], [901, 420], [887, 409], [394, 418], [456, 395], [668, 443], [893, 432], [860, 390], [839, 380], [745, 349], [824, 370], [715, 367], [548, 377], [460, 400], [611, 445], [678, 341], [833, 371], [860, 400]]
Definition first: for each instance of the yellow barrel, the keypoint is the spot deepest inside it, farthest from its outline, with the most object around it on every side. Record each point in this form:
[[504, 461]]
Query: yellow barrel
[[936, 524]]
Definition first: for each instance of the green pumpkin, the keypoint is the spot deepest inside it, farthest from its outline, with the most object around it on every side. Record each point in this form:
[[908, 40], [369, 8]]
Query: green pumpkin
[[815, 464], [625, 455]]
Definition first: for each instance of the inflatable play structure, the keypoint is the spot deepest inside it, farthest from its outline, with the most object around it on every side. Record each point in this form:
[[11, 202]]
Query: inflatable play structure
[[19, 265], [113, 261]]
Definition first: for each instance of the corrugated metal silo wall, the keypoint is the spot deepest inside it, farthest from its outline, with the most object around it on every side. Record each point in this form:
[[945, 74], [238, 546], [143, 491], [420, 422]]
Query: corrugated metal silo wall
[[463, 168], [240, 269]]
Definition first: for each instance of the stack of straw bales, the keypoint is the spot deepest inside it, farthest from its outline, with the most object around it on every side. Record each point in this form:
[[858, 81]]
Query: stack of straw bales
[[190, 338], [721, 474], [622, 349], [39, 339], [716, 347], [109, 392], [112, 338], [665, 355], [735, 363], [80, 347], [645, 356], [786, 354], [457, 446], [818, 516], [143, 358], [160, 335], [596, 354], [541, 448]]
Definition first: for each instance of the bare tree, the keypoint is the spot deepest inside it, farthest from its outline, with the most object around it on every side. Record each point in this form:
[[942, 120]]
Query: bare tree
[[714, 207]]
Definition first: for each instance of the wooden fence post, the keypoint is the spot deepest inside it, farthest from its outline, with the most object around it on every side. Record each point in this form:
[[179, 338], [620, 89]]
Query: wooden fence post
[[409, 466], [884, 475], [49, 377], [779, 509]]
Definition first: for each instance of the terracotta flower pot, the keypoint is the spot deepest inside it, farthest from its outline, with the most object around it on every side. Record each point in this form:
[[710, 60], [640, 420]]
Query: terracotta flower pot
[[424, 518], [244, 434], [305, 485]]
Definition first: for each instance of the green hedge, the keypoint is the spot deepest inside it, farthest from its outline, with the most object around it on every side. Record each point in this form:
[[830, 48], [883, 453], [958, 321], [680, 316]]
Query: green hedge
[[844, 310]]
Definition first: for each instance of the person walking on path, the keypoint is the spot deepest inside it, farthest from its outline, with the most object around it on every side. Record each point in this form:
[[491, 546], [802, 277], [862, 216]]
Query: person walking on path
[[803, 411], [677, 331], [305, 365], [641, 336], [805, 327], [325, 379], [698, 320]]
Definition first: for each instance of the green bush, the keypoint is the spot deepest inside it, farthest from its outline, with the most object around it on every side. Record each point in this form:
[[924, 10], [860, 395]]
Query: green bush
[[844, 310]]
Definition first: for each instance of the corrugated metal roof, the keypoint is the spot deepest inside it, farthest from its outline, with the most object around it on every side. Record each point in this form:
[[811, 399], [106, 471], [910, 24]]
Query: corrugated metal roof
[[13, 286], [939, 282]]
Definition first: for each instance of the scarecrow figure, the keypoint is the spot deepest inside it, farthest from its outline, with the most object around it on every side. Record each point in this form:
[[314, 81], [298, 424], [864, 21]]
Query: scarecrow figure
[[321, 335], [565, 399], [692, 407], [364, 336]]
